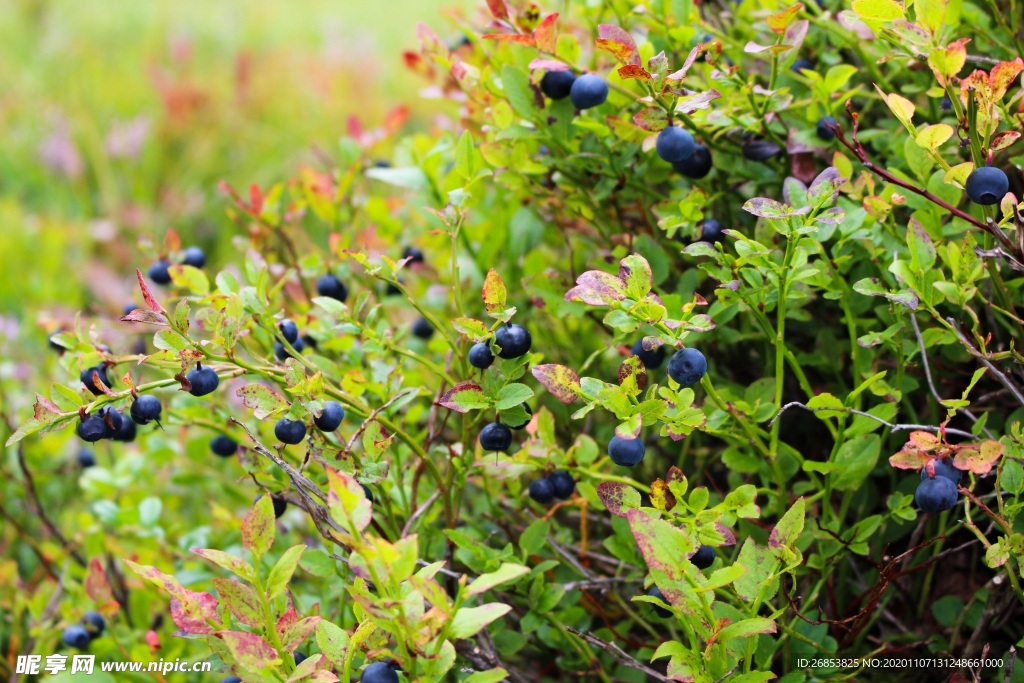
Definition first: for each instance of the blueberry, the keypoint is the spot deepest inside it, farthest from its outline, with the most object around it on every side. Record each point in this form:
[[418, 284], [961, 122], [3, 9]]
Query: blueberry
[[128, 308], [562, 484], [480, 355], [290, 432], [392, 290], [756, 149], [306, 340], [280, 504], [224, 446], [379, 672], [495, 437], [626, 452], [823, 130], [283, 354], [695, 166], [145, 409], [944, 468], [92, 428], [987, 185], [331, 418], [529, 413], [86, 458], [711, 230], [662, 612], [936, 495], [589, 90], [54, 345], [126, 433], [289, 330], [801, 64], [674, 144], [95, 623], [159, 273], [513, 341], [77, 637], [704, 557], [231, 679], [112, 421], [687, 366], [331, 286], [651, 359], [946, 104], [195, 257], [542, 491], [414, 254], [204, 381], [88, 380], [557, 84], [300, 657], [368, 492], [422, 328]]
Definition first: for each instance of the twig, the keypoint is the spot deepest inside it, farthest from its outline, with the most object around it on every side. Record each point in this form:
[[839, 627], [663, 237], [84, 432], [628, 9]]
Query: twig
[[419, 511], [373, 414], [618, 654], [30, 488], [1003, 379], [893, 427]]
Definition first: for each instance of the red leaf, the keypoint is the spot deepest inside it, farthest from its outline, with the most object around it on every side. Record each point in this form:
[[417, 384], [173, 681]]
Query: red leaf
[[498, 9], [98, 588], [517, 38], [193, 611], [618, 497], [549, 65], [635, 71], [143, 316], [465, 396], [545, 35], [147, 295], [562, 382], [172, 242], [255, 200], [618, 42], [249, 650], [979, 458]]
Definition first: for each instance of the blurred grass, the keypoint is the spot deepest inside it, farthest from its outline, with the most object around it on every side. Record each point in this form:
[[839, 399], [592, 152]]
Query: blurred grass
[[240, 90]]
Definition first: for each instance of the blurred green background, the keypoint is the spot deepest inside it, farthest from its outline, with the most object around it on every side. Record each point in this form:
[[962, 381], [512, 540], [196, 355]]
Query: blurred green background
[[119, 118]]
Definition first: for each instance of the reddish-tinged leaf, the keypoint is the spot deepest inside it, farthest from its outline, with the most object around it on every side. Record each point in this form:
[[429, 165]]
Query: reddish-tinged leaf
[[1003, 74], [172, 242], [549, 65], [498, 8], [347, 500], [661, 497], [632, 375], [691, 103], [562, 382], [908, 460], [165, 582], [249, 650], [464, 397], [619, 43], [687, 63], [925, 441], [980, 458], [946, 62], [635, 273], [517, 38], [597, 288], [263, 400], [545, 35], [635, 71], [730, 537], [663, 546], [494, 292], [1003, 140], [241, 600], [147, 295], [142, 316], [789, 527], [235, 565], [255, 199], [193, 612], [618, 497], [297, 633], [258, 527], [780, 21], [98, 589]]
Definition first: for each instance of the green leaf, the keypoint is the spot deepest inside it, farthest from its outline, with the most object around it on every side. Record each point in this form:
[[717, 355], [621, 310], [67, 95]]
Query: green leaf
[[534, 537], [788, 529], [922, 250], [281, 573], [761, 567], [490, 676], [516, 83], [827, 400], [746, 628], [262, 400], [347, 501], [513, 395], [464, 397], [333, 641], [506, 573], [635, 273], [856, 458], [469, 621], [190, 278], [258, 527], [235, 565]]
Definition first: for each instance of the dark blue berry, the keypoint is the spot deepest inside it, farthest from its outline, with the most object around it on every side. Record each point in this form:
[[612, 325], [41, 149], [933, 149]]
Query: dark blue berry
[[824, 131], [92, 428], [936, 495], [589, 90], [204, 381], [414, 254], [562, 484], [195, 257], [651, 359], [695, 166], [331, 417], [88, 380], [224, 446], [422, 329], [944, 468], [674, 144], [542, 491], [704, 557], [557, 84], [331, 286], [86, 458], [480, 355], [513, 341], [495, 437], [159, 273], [626, 452], [801, 64], [987, 185], [290, 432], [687, 366], [145, 409], [711, 231], [662, 612], [289, 330], [95, 623], [379, 672], [76, 636]]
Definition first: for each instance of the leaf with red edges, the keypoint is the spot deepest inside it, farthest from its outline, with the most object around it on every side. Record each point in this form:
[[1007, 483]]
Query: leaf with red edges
[[619, 43], [545, 35]]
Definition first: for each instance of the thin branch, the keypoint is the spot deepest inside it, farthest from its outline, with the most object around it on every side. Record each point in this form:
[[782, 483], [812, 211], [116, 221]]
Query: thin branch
[[983, 359], [618, 654], [370, 418], [30, 488], [890, 425]]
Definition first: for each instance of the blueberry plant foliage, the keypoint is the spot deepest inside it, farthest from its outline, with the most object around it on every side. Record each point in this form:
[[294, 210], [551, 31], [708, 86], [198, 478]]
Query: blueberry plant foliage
[[859, 315]]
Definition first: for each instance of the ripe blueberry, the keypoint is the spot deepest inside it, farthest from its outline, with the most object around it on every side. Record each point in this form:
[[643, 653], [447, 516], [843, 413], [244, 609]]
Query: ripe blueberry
[[127, 431], [231, 679], [756, 149], [542, 491], [480, 355], [495, 437], [557, 84], [529, 415], [379, 672], [300, 657], [331, 418], [414, 254], [279, 503], [687, 366], [76, 636], [330, 286], [128, 308], [513, 341], [145, 409], [224, 446], [823, 130], [944, 468], [283, 354], [290, 432], [368, 492], [626, 452], [289, 330], [704, 557], [589, 90], [946, 104], [95, 623], [674, 144], [662, 612], [204, 381], [651, 359], [88, 380], [112, 421], [936, 495], [159, 273], [195, 257], [86, 458], [92, 428], [987, 185], [562, 484], [711, 230], [422, 328], [695, 166], [392, 290], [801, 64]]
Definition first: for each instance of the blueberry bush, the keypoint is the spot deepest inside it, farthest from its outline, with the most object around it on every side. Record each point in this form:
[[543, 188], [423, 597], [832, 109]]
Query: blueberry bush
[[685, 346]]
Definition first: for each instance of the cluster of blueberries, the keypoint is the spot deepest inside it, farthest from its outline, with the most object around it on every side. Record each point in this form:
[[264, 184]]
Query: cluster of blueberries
[[512, 341], [938, 493], [89, 629], [378, 672], [160, 272]]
